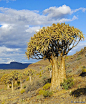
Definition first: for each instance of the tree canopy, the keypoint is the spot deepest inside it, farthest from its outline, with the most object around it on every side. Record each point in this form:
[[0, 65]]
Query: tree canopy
[[57, 39]]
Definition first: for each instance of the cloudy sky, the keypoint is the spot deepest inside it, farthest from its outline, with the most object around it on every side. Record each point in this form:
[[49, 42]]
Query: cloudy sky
[[20, 19]]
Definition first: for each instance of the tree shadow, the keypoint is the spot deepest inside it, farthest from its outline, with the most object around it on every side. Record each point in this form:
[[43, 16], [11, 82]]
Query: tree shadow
[[79, 92]]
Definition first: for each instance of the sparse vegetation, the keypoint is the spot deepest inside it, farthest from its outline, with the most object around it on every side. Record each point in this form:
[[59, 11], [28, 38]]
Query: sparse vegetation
[[39, 90], [84, 70], [27, 79], [47, 93], [46, 86], [22, 91], [79, 57], [68, 83]]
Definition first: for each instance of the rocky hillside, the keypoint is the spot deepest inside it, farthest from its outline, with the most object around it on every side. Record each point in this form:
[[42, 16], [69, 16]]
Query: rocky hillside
[[32, 92]]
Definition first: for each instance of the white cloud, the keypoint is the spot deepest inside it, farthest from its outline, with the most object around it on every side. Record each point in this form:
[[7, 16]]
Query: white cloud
[[57, 12], [76, 10], [5, 49], [27, 17], [7, 55], [31, 29], [66, 20], [18, 26]]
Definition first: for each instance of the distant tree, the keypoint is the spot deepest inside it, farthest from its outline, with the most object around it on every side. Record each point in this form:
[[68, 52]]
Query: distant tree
[[30, 73], [13, 77], [5, 80], [51, 42], [10, 78]]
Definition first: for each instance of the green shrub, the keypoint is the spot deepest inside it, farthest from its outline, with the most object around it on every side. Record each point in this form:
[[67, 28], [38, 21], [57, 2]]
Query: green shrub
[[68, 83], [27, 79], [67, 57], [41, 92], [47, 93], [46, 86], [22, 91], [83, 70], [40, 76], [40, 67]]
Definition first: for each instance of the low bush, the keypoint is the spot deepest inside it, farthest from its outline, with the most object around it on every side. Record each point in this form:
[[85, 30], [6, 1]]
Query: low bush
[[22, 91], [47, 93], [83, 70], [41, 92], [34, 86], [46, 86], [27, 79], [68, 83]]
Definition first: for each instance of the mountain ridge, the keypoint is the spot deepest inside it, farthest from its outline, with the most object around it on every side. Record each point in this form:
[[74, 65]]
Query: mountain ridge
[[14, 65]]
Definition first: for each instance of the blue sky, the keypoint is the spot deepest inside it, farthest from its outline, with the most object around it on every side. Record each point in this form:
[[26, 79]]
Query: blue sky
[[20, 19]]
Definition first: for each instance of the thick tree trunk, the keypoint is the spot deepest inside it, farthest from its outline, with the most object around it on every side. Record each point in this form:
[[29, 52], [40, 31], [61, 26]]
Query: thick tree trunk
[[62, 71], [55, 82]]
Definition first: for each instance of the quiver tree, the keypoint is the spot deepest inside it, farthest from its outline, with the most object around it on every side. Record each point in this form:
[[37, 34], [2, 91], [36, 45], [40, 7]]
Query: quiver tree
[[51, 42], [5, 80], [13, 77], [30, 73]]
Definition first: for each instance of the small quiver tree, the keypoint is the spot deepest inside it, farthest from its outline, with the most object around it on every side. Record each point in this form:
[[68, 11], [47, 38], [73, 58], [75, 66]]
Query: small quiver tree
[[4, 79], [51, 42], [30, 73], [11, 78], [15, 74]]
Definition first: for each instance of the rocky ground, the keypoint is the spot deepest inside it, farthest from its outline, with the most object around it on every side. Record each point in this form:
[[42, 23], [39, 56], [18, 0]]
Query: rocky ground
[[75, 95]]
